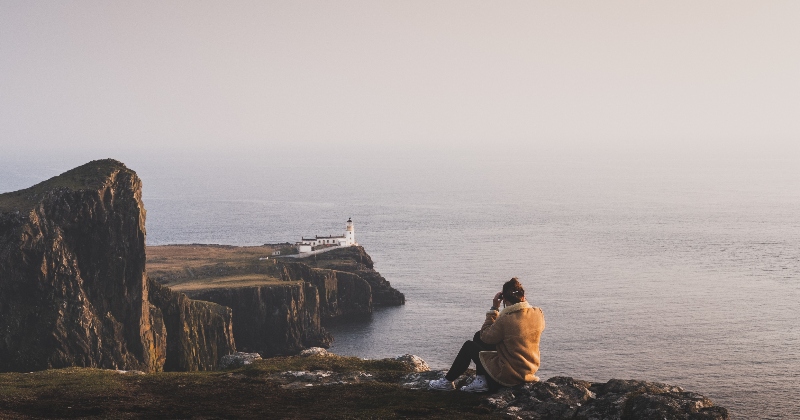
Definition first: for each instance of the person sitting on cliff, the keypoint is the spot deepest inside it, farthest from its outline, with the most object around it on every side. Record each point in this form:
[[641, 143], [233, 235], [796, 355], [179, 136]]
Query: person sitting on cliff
[[505, 350]]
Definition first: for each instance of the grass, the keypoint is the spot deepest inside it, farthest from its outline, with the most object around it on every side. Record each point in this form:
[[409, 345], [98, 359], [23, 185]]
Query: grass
[[199, 267], [88, 176], [245, 280], [248, 392]]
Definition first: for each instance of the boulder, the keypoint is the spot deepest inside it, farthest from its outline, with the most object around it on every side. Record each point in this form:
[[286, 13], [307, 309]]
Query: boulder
[[315, 351], [238, 359], [414, 363]]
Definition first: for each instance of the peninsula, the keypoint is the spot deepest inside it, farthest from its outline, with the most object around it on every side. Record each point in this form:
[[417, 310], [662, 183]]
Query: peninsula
[[280, 305]]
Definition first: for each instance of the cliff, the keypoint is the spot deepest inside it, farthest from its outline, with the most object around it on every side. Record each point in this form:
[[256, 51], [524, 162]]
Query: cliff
[[343, 295], [73, 287], [274, 319], [355, 260], [198, 333], [280, 306]]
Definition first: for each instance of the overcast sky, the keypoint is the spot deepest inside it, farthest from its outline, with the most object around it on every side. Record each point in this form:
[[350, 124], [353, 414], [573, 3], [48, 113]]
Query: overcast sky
[[399, 75]]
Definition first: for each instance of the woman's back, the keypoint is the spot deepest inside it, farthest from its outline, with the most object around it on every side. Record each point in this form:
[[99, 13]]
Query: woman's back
[[516, 331]]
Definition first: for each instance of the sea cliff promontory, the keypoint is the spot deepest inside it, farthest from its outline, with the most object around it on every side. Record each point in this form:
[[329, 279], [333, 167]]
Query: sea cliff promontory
[[73, 285], [280, 304]]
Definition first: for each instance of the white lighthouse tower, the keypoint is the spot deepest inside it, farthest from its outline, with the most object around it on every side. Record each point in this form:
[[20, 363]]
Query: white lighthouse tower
[[350, 234]]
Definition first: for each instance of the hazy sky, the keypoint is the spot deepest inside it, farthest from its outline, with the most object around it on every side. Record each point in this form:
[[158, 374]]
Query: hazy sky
[[399, 75]]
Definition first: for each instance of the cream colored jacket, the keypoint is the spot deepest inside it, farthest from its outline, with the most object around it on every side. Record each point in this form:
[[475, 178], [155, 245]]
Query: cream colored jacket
[[516, 332]]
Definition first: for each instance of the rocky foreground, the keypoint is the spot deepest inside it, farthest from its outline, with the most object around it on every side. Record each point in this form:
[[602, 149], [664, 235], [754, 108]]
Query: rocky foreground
[[321, 385]]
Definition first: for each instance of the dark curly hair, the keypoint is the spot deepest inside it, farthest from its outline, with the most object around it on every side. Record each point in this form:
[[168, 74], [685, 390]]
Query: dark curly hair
[[513, 291]]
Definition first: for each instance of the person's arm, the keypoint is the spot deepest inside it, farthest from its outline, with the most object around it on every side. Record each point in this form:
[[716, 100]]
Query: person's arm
[[492, 333]]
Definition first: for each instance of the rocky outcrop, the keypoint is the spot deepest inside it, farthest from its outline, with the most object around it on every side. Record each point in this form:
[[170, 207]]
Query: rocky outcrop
[[198, 333], [354, 260], [342, 295], [73, 287], [238, 359], [567, 398], [277, 319], [72, 274]]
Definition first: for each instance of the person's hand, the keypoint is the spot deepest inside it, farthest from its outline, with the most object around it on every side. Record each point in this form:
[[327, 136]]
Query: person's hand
[[498, 299]]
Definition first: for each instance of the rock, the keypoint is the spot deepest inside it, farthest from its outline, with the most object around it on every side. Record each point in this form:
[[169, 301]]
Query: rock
[[414, 363], [355, 260], [198, 333], [568, 398], [419, 380], [306, 376], [272, 320], [129, 372], [73, 290], [342, 295], [238, 359], [315, 351], [73, 286]]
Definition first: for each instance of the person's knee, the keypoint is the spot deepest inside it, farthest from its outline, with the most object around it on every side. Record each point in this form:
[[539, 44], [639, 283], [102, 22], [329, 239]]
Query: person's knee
[[477, 337]]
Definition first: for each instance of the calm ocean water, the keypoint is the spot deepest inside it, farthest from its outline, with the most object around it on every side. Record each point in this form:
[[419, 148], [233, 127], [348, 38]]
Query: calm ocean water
[[662, 270]]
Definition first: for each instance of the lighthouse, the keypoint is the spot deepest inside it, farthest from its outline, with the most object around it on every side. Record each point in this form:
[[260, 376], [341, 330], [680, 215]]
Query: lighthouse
[[322, 243], [350, 234]]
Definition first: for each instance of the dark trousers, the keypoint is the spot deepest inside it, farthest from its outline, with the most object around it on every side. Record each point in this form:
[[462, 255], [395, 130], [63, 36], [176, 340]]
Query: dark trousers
[[469, 353]]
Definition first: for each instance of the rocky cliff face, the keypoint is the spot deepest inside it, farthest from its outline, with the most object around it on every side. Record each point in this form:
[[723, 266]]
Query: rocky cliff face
[[343, 295], [354, 260], [272, 320], [198, 333], [73, 288], [284, 318]]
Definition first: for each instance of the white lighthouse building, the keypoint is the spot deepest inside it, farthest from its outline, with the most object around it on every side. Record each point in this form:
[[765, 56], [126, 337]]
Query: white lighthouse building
[[350, 233], [312, 244]]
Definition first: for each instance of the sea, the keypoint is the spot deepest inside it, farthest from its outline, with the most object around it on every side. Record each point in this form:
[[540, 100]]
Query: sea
[[678, 268]]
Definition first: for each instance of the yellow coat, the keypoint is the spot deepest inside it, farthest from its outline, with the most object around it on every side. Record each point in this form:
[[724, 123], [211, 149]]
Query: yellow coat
[[516, 332]]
